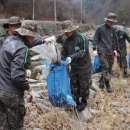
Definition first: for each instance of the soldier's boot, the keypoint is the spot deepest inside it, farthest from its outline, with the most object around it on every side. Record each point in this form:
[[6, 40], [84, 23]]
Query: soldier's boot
[[125, 75], [108, 87], [101, 83], [82, 105]]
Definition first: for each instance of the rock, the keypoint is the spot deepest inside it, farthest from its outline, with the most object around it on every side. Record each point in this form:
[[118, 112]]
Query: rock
[[123, 111], [129, 90], [33, 81], [92, 93], [43, 101], [78, 125], [94, 84], [43, 107], [126, 126], [94, 112], [116, 104], [123, 82], [84, 116], [36, 129]]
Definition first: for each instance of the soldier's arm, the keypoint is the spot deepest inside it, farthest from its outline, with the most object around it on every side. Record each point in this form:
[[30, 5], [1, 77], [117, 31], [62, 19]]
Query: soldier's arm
[[36, 42], [116, 43], [64, 53], [81, 48], [96, 39], [18, 73], [127, 37]]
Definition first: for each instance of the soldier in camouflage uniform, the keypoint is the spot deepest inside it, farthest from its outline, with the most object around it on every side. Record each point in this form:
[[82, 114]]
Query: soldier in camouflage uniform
[[105, 41], [13, 23], [122, 48], [2, 35], [13, 62], [76, 52]]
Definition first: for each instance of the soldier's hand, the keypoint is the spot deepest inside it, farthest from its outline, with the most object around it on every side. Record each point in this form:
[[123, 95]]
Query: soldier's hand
[[28, 73], [95, 53], [50, 39], [67, 61]]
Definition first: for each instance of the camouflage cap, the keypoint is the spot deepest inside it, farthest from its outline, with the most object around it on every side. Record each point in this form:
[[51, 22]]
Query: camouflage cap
[[28, 28], [68, 26], [12, 20], [111, 17]]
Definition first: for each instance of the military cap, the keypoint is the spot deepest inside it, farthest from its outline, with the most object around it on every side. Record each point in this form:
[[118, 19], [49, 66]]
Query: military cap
[[111, 17], [12, 20], [68, 26], [28, 28]]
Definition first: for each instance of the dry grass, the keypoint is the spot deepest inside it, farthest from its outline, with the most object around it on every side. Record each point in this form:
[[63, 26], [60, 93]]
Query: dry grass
[[107, 118]]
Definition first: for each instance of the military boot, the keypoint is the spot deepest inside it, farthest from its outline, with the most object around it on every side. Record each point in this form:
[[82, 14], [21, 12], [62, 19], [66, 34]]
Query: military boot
[[101, 83], [125, 74], [108, 87], [81, 106]]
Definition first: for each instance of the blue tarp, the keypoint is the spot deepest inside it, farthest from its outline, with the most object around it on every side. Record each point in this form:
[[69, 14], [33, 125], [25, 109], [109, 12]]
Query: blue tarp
[[58, 85]]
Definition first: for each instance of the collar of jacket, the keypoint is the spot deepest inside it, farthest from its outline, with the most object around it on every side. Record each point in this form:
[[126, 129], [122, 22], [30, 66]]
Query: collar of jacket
[[106, 25], [24, 40], [71, 37]]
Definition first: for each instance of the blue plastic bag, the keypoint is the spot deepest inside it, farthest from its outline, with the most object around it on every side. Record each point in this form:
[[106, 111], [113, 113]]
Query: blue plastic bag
[[97, 67], [58, 85]]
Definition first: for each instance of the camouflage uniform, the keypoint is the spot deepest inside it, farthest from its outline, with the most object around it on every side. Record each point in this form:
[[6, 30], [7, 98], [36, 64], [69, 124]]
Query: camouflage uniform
[[4, 33], [121, 60], [2, 36], [13, 63], [76, 47], [105, 41], [80, 85], [12, 111]]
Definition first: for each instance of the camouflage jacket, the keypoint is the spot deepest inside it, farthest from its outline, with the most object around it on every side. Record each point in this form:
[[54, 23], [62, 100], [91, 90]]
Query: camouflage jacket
[[105, 40], [77, 47], [13, 62], [122, 37]]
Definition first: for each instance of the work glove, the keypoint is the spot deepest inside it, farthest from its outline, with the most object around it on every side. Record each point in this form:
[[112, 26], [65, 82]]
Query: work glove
[[32, 96], [28, 73], [67, 61], [115, 53], [95, 53], [50, 39]]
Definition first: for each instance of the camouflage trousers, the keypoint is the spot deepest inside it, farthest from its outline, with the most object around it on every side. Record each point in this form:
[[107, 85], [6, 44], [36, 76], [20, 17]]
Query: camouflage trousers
[[122, 61], [107, 63], [12, 111], [80, 84]]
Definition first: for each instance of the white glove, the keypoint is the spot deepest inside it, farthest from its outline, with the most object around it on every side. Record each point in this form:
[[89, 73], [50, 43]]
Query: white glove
[[95, 53], [67, 61], [50, 39], [28, 73], [115, 53]]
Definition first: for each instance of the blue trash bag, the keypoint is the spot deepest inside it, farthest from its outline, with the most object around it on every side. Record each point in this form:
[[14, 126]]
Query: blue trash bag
[[129, 61], [58, 85], [97, 67]]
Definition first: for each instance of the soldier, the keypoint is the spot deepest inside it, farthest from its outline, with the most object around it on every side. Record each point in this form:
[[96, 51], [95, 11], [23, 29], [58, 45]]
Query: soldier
[[105, 42], [76, 52], [14, 58], [2, 35], [121, 59], [13, 23]]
